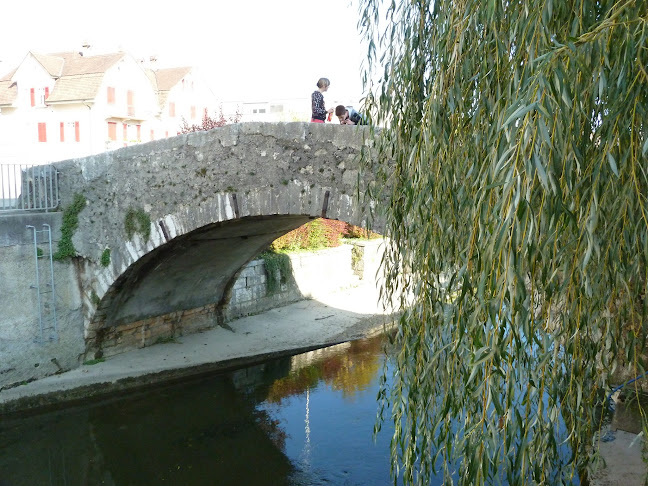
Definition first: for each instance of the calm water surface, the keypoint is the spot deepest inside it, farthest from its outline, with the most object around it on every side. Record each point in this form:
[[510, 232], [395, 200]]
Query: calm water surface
[[303, 420]]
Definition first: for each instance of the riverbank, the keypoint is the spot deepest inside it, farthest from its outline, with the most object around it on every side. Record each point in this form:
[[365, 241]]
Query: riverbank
[[340, 316]]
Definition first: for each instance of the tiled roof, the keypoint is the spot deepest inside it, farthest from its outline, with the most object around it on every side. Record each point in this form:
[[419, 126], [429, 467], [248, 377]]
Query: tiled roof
[[76, 87], [165, 79], [8, 92], [53, 64], [79, 77], [168, 78], [75, 64], [8, 76]]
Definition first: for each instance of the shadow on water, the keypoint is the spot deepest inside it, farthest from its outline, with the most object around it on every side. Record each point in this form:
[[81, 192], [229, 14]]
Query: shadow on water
[[244, 427]]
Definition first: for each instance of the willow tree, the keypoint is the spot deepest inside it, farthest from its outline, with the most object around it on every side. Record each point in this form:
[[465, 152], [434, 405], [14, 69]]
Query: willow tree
[[513, 168]]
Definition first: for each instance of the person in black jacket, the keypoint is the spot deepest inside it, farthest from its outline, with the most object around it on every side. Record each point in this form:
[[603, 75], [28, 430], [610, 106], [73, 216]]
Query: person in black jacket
[[317, 98], [348, 116]]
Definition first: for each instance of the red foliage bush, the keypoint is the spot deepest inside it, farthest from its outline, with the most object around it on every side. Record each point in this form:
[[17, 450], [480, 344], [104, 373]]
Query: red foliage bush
[[319, 233], [208, 122]]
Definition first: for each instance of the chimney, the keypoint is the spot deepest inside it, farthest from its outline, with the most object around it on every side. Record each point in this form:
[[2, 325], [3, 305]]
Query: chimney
[[86, 48]]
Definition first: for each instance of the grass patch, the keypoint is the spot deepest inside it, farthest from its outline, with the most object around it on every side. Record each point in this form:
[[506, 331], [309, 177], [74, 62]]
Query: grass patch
[[91, 362]]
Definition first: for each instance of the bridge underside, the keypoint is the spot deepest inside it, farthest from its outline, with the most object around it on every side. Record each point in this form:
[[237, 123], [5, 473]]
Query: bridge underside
[[192, 270]]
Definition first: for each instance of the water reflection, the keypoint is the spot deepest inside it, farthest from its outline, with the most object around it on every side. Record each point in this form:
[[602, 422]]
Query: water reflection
[[301, 420], [349, 368]]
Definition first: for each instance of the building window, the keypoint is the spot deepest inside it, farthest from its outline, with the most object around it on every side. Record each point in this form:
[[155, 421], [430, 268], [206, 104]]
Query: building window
[[111, 96], [171, 109], [112, 131], [32, 96], [42, 132], [261, 110], [77, 132]]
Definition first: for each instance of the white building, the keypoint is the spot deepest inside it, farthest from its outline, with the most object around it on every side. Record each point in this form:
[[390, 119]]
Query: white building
[[59, 106]]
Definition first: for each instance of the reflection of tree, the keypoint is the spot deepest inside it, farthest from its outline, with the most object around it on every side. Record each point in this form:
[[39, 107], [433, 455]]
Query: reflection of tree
[[348, 370], [272, 428], [354, 375]]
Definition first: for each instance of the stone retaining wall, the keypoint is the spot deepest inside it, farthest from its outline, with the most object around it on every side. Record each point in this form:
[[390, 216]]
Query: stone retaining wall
[[313, 274], [25, 353]]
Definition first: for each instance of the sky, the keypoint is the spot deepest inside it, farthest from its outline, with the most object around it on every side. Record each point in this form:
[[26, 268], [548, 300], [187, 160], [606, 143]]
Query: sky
[[247, 50]]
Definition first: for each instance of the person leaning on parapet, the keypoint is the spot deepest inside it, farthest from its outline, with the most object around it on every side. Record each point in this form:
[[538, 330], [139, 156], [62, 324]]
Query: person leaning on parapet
[[348, 116], [319, 110]]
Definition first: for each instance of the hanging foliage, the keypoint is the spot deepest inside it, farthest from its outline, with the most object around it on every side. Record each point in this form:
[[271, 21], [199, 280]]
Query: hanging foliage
[[513, 162]]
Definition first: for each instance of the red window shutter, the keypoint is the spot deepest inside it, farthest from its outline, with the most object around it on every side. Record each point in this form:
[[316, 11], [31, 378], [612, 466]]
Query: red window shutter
[[139, 133], [166, 134], [125, 131], [77, 132], [193, 112], [112, 131], [32, 96], [171, 109], [46, 92], [152, 135], [131, 102], [111, 96], [42, 132], [62, 132]]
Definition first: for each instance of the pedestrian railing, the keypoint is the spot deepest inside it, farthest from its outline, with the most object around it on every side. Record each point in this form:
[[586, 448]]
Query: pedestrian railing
[[28, 187]]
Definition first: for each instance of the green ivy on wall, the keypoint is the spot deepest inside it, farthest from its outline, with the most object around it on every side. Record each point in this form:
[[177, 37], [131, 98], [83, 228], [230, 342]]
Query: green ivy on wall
[[277, 266], [70, 223]]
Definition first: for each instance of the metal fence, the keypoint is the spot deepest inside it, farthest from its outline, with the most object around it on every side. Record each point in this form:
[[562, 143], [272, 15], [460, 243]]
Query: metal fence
[[28, 187]]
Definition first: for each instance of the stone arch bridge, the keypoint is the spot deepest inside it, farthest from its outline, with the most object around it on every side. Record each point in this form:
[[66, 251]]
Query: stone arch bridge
[[168, 225]]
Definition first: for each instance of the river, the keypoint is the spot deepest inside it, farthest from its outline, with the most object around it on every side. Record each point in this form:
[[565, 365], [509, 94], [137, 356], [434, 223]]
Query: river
[[300, 420]]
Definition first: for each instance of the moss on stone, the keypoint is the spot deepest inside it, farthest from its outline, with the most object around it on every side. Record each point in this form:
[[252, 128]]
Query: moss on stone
[[137, 221]]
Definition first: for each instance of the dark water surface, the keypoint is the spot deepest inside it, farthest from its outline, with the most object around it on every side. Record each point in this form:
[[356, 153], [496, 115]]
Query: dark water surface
[[302, 420]]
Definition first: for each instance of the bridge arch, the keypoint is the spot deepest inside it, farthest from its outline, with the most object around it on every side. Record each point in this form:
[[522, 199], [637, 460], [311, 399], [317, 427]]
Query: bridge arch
[[207, 203]]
